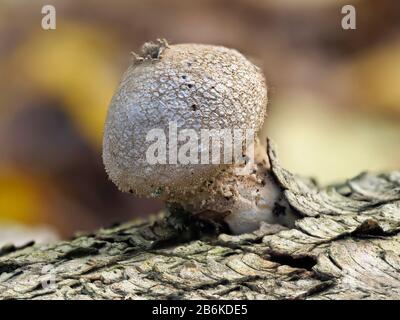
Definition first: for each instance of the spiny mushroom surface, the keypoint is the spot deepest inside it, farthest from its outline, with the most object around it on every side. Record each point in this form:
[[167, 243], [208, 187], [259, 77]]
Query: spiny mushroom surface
[[194, 87]]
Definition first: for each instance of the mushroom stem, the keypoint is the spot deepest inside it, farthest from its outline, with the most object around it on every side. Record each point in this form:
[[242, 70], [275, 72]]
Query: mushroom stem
[[242, 196]]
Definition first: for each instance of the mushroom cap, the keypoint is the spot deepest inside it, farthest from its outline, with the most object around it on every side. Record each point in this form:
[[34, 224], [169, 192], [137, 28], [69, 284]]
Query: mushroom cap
[[192, 85]]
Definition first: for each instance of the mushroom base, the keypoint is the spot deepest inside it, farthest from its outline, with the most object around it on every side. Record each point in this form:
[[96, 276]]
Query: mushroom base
[[241, 196]]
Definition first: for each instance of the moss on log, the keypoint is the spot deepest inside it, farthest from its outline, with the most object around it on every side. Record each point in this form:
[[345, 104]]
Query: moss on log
[[346, 246]]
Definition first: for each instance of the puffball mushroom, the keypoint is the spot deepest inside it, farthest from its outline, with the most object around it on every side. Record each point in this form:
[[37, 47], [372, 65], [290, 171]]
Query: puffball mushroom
[[192, 88]]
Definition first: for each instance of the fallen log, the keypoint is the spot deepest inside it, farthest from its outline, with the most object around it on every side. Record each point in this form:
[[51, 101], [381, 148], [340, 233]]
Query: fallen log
[[346, 246]]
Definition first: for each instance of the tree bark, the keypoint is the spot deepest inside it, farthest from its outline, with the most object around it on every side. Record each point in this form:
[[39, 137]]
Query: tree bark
[[346, 246]]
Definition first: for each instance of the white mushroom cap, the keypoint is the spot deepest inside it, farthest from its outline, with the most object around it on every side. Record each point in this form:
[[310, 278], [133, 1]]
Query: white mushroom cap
[[197, 87]]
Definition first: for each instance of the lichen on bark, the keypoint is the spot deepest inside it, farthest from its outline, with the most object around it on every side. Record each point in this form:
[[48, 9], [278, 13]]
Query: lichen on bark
[[346, 246]]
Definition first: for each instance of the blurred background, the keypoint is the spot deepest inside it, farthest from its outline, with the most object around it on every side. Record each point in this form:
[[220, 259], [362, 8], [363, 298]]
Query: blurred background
[[334, 105]]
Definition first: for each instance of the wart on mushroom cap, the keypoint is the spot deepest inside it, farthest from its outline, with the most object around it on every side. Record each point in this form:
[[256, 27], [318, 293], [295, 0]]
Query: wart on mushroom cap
[[197, 87]]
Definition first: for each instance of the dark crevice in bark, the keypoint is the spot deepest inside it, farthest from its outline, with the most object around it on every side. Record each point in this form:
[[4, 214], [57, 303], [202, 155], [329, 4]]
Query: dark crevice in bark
[[305, 262]]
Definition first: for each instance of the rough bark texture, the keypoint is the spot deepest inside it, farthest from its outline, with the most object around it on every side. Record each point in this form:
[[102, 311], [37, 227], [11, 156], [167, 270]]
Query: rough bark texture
[[347, 246]]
